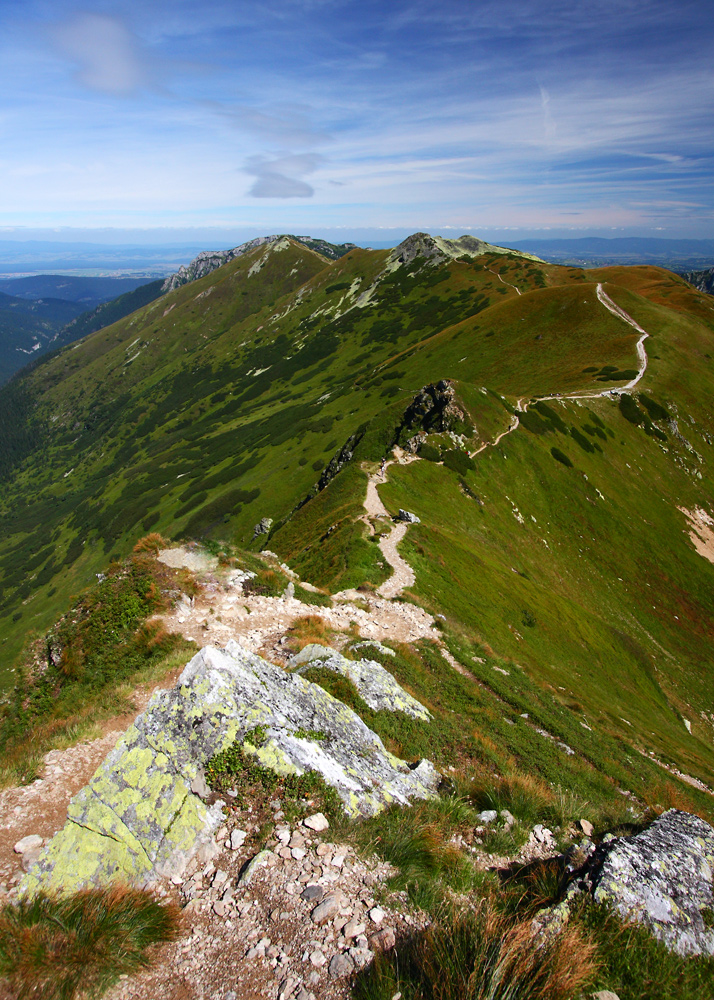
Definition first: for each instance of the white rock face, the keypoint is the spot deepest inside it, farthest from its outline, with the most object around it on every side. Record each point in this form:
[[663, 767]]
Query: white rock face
[[375, 684]]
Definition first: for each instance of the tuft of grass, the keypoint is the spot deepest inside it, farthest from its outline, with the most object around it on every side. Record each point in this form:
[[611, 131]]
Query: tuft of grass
[[480, 954], [638, 966], [61, 947], [308, 629], [429, 864]]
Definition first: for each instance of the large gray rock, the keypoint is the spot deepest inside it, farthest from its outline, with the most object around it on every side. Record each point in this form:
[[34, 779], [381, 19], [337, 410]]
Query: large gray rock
[[375, 685], [661, 878], [142, 813]]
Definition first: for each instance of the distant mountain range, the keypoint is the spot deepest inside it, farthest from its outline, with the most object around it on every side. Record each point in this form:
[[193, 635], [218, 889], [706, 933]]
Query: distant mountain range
[[42, 312], [595, 251]]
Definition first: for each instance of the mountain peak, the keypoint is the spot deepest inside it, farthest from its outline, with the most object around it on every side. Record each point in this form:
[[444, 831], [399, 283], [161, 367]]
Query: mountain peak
[[438, 248]]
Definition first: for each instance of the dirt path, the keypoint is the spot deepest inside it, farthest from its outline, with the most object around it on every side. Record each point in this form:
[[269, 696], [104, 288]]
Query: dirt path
[[503, 281], [402, 575]]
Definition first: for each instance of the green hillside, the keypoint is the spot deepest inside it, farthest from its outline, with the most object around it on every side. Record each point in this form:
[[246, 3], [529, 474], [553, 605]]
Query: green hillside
[[560, 559]]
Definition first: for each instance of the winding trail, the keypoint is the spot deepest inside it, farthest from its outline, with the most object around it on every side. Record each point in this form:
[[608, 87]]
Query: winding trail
[[402, 575], [612, 307]]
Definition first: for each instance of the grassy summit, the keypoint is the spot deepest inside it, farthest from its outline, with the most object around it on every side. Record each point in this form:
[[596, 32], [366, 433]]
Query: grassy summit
[[561, 556]]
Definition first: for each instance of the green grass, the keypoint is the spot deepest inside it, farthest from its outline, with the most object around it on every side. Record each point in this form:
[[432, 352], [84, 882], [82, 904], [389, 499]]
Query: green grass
[[59, 948]]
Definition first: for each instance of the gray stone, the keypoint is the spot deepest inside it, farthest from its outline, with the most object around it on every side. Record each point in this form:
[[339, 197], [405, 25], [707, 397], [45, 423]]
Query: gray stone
[[376, 914], [375, 685], [662, 878], [508, 818], [383, 940], [326, 910], [487, 816], [605, 995], [263, 526], [312, 893], [341, 965], [237, 839], [406, 515]]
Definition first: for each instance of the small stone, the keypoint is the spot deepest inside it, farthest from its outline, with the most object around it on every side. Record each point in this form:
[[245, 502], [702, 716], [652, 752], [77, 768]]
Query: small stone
[[353, 929], [323, 850], [219, 908], [542, 834], [298, 853], [283, 836], [338, 860], [341, 965], [312, 893], [587, 829], [376, 915], [605, 995], [508, 818], [237, 839], [317, 959], [30, 843], [317, 822], [326, 910], [219, 878], [383, 940], [285, 853], [487, 816]]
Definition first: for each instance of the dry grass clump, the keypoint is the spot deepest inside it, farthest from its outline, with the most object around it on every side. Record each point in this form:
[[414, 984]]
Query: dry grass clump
[[151, 543], [61, 947], [481, 954], [309, 628]]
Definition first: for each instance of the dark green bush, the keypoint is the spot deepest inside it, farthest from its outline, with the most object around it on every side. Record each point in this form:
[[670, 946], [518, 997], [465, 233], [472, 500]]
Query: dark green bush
[[560, 456], [630, 410], [458, 461]]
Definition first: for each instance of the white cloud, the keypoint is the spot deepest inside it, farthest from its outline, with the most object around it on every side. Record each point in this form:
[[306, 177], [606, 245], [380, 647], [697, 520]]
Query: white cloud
[[108, 56]]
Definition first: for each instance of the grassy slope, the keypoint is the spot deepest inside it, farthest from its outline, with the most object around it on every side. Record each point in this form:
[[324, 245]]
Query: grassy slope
[[220, 403]]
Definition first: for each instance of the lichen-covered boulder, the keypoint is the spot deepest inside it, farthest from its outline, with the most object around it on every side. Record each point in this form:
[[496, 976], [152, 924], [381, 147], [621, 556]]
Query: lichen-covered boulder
[[375, 685], [662, 878], [138, 816]]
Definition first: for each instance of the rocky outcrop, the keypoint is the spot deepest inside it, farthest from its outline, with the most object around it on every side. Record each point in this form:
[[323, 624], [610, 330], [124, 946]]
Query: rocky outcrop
[[662, 878], [375, 685], [435, 408], [702, 280], [142, 813]]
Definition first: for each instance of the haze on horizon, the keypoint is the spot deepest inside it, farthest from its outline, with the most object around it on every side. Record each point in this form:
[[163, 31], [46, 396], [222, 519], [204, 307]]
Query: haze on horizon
[[322, 115]]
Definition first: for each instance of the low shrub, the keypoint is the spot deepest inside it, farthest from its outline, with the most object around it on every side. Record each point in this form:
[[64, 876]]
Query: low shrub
[[61, 947], [561, 457]]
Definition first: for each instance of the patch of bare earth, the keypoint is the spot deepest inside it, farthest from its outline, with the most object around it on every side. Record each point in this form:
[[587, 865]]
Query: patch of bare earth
[[701, 531]]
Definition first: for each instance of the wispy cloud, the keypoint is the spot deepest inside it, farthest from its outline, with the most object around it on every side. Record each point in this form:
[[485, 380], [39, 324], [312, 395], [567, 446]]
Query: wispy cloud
[[108, 57], [281, 178]]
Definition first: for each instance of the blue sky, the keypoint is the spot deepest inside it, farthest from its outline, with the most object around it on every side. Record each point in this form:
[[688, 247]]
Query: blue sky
[[548, 118]]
